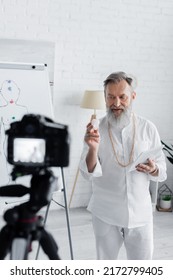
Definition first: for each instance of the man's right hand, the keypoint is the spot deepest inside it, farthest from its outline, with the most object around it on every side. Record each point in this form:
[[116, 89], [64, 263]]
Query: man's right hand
[[92, 137]]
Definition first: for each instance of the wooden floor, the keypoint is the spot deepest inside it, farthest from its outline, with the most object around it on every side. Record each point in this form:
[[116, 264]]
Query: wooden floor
[[83, 239]]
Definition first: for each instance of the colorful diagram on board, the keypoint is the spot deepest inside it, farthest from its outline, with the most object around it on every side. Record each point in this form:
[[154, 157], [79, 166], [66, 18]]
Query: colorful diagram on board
[[10, 111]]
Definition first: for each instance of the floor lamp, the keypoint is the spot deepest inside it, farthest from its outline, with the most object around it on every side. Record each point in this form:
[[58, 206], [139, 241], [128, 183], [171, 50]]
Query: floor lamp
[[92, 99]]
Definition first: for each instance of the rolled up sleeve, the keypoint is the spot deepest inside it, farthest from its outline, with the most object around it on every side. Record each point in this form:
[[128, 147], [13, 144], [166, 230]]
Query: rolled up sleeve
[[160, 160], [83, 166], [161, 164]]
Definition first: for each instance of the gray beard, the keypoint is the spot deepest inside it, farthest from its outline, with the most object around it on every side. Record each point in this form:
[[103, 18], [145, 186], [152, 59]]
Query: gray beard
[[121, 121]]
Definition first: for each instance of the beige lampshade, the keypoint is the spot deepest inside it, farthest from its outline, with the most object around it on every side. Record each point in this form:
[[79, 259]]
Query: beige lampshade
[[93, 99]]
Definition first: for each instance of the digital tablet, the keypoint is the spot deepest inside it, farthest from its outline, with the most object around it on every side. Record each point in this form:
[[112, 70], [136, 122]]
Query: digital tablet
[[142, 158]]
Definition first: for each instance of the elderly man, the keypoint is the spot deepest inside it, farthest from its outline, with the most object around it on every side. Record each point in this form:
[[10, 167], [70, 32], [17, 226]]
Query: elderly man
[[121, 203]]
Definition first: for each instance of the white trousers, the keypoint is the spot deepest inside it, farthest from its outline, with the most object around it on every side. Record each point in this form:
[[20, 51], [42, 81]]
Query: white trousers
[[138, 241]]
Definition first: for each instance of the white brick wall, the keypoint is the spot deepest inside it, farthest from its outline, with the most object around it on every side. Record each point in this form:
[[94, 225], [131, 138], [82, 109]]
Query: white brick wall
[[94, 38]]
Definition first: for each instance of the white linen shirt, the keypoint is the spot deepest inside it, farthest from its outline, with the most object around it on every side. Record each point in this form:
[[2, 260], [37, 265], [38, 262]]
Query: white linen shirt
[[120, 197]]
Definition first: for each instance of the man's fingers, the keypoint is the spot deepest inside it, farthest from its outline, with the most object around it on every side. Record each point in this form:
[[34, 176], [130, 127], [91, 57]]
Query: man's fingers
[[91, 135], [143, 168], [146, 168]]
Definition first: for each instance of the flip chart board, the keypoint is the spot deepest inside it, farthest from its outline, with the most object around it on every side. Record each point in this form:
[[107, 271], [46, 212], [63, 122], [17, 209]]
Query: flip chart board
[[24, 88]]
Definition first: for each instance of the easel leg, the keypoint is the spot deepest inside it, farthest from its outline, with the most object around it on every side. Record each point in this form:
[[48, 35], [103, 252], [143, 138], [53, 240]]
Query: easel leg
[[67, 214]]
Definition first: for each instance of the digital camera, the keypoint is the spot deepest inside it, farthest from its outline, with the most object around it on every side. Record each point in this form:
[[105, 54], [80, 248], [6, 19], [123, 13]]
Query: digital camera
[[38, 141]]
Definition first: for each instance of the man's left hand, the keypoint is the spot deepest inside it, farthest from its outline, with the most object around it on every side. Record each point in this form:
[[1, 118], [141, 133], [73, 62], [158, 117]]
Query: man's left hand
[[149, 167]]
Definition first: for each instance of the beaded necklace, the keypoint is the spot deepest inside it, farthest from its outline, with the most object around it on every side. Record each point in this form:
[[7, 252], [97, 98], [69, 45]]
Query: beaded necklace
[[133, 144]]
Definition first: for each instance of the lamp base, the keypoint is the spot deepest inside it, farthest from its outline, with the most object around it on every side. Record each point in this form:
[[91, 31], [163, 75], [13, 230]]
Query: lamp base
[[93, 117]]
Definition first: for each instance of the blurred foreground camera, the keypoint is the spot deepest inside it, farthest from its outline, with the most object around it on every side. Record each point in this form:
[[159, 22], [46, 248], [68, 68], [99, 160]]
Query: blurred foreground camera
[[37, 141], [34, 144]]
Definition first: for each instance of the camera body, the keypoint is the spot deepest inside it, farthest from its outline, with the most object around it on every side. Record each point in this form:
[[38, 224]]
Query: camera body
[[37, 141]]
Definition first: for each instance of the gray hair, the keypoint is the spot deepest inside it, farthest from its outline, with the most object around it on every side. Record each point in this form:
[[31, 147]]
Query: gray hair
[[117, 77]]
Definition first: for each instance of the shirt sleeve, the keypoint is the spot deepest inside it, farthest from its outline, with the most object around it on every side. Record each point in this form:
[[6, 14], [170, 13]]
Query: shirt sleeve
[[83, 166], [161, 164], [161, 159]]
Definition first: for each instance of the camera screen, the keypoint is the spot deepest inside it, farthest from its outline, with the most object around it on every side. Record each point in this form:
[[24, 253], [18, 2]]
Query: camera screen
[[29, 150]]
